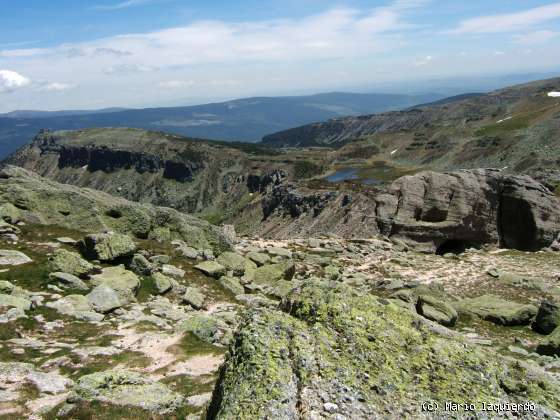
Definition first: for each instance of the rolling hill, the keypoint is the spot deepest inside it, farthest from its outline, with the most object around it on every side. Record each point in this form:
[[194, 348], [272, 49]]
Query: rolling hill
[[243, 119], [516, 129]]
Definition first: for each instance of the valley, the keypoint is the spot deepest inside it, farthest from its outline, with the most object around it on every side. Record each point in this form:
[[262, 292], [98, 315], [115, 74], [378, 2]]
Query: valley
[[352, 269]]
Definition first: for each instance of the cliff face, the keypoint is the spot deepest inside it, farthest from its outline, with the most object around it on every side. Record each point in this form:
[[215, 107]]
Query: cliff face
[[106, 160], [165, 170], [431, 211]]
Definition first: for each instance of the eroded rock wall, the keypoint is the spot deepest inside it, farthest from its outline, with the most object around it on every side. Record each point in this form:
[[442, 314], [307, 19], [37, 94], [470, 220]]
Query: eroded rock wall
[[430, 211]]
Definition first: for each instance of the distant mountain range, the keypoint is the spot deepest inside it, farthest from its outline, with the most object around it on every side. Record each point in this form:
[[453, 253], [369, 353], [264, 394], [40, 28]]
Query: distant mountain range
[[515, 129], [237, 120]]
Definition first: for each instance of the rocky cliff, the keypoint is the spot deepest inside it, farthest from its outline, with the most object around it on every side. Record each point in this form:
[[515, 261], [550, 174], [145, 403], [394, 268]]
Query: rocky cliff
[[166, 170], [431, 211]]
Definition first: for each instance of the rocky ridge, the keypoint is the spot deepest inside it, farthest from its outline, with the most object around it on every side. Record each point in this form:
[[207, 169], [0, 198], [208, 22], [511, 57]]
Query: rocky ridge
[[429, 211], [162, 169], [513, 128]]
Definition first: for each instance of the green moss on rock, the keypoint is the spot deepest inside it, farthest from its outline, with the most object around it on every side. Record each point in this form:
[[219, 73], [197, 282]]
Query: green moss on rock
[[70, 262], [335, 351]]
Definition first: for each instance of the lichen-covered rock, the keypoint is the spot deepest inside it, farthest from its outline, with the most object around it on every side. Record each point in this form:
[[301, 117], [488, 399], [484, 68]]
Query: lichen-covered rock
[[497, 310], [333, 351], [194, 297], [270, 274], [521, 281], [162, 283], [233, 262], [548, 317], [141, 266], [70, 262], [46, 202], [77, 306], [107, 246], [12, 257], [49, 383], [103, 299], [127, 388], [19, 373], [259, 258], [207, 328], [436, 310], [122, 281], [279, 252], [211, 268], [6, 287], [282, 288], [68, 280], [232, 284], [171, 270], [9, 301]]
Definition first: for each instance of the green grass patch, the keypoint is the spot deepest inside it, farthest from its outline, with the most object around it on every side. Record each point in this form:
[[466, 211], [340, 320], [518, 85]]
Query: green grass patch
[[304, 169], [519, 122]]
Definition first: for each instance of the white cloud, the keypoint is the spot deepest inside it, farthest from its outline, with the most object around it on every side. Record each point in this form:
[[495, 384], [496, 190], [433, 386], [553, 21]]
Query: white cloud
[[337, 33], [176, 84], [424, 61], [509, 22], [536, 37], [56, 87], [11, 81], [121, 5], [27, 52], [127, 69], [111, 51]]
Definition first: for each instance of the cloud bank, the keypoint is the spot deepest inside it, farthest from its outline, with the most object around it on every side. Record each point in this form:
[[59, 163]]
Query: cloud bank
[[338, 48], [11, 81]]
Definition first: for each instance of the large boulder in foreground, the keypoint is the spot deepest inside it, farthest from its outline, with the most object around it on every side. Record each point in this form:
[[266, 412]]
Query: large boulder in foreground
[[38, 200], [333, 352]]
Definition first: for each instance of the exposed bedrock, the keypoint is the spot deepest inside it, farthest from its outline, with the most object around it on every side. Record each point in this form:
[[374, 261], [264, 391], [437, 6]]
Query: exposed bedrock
[[108, 160], [260, 183], [435, 212]]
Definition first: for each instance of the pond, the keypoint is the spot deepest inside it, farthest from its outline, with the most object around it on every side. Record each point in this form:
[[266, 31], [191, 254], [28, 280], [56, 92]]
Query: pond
[[375, 174], [343, 175]]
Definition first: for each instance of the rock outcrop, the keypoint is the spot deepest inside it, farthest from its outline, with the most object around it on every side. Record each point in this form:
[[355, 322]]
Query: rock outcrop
[[434, 212], [30, 198], [332, 351]]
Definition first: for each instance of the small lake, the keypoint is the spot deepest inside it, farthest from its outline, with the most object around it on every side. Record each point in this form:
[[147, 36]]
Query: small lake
[[343, 175], [378, 173]]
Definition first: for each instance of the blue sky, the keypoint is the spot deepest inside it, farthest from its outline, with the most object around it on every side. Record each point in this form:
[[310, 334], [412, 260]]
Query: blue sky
[[91, 54]]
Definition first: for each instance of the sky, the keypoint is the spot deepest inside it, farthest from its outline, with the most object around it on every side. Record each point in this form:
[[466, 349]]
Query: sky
[[75, 54]]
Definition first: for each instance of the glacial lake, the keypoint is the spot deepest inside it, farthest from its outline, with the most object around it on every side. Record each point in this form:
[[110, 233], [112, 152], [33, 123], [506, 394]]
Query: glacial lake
[[375, 174]]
